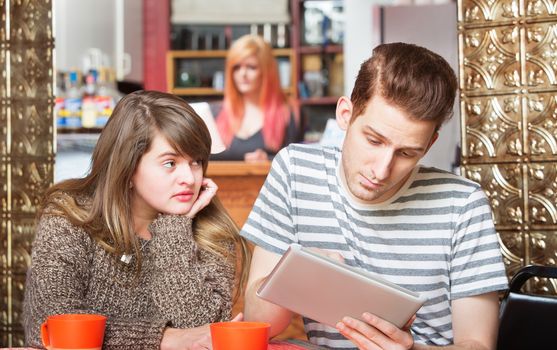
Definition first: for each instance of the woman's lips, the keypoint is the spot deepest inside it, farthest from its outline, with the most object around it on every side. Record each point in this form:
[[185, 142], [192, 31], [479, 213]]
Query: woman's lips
[[183, 196]]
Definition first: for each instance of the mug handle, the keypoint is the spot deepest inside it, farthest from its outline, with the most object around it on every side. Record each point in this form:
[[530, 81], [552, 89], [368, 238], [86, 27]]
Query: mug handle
[[44, 335]]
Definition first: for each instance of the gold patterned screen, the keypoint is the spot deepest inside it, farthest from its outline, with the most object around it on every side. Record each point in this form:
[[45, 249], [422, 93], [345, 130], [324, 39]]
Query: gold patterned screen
[[508, 66], [26, 145]]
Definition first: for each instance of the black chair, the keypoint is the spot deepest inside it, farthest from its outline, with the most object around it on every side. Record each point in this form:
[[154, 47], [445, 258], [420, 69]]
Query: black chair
[[528, 321]]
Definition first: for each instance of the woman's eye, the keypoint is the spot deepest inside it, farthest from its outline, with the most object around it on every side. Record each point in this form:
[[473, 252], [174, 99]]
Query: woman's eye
[[198, 162], [169, 164]]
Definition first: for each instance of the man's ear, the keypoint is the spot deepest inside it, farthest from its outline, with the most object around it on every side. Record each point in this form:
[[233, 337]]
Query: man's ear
[[344, 112]]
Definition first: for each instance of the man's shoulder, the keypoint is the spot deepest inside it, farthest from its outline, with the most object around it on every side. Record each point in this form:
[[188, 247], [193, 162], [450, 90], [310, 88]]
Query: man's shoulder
[[432, 176], [309, 151]]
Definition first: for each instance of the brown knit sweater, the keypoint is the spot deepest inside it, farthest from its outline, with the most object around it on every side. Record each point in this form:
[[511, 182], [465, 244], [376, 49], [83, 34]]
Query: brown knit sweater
[[179, 285]]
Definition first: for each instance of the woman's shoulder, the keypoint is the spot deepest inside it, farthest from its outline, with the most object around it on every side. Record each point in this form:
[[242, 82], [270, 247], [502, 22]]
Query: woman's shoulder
[[59, 226], [54, 221]]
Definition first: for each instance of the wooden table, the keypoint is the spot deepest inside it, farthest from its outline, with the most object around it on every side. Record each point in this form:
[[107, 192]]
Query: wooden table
[[239, 184], [293, 344]]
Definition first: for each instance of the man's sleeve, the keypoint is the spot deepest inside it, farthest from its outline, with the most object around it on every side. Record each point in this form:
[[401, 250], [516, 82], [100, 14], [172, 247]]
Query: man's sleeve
[[476, 264], [270, 224]]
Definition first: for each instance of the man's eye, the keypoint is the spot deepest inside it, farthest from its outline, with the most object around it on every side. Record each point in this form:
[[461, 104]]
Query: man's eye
[[407, 154], [373, 141], [169, 164]]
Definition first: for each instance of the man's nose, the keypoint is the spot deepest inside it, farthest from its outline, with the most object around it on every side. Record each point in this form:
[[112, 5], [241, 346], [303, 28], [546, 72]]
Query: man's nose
[[384, 164]]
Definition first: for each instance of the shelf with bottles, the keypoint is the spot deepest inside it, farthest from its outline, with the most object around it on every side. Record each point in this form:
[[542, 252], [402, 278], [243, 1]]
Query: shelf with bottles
[[84, 102], [317, 38], [201, 72]]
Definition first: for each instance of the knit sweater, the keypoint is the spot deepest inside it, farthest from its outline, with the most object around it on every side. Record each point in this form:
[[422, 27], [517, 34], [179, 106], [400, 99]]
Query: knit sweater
[[179, 285]]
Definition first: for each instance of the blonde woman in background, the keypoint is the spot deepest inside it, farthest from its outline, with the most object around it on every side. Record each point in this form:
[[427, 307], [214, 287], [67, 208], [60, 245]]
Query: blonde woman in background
[[255, 120], [141, 239]]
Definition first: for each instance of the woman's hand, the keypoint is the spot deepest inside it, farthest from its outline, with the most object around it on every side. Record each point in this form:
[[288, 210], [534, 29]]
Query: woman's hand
[[191, 338], [208, 190], [258, 155]]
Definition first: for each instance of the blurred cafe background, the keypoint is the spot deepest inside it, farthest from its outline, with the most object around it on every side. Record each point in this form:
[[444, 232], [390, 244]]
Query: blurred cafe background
[[66, 63]]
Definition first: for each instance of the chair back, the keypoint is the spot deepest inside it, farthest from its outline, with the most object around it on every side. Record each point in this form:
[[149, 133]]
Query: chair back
[[528, 321]]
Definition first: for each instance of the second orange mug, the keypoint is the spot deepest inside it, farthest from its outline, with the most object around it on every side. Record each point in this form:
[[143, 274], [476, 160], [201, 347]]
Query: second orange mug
[[240, 335], [73, 331]]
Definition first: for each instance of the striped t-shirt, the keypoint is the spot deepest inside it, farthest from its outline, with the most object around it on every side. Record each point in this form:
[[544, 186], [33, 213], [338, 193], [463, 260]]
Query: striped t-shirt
[[435, 236]]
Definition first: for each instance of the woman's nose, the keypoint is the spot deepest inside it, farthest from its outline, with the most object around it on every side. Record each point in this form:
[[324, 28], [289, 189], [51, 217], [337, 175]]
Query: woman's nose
[[185, 175]]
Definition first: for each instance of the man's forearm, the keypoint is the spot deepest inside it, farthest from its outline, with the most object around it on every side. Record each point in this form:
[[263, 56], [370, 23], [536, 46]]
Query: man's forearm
[[257, 309]]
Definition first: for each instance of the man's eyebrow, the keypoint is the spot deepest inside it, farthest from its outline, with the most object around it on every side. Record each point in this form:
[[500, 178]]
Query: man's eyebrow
[[376, 133]]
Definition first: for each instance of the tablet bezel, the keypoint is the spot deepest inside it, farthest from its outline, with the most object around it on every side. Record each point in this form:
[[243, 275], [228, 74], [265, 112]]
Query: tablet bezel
[[325, 290]]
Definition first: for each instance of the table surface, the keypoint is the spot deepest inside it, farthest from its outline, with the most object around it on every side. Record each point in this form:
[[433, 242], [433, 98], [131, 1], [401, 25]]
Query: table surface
[[293, 344]]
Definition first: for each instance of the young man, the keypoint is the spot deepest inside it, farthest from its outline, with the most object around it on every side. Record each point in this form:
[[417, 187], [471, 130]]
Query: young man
[[372, 203]]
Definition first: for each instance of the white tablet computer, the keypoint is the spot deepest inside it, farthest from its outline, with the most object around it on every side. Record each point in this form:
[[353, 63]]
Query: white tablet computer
[[325, 290]]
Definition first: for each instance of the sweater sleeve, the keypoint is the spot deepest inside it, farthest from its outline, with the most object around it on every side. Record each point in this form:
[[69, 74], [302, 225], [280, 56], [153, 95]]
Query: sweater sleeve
[[57, 283], [192, 286]]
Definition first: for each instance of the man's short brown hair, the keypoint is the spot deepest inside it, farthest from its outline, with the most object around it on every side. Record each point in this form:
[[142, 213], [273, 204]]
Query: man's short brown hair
[[419, 82]]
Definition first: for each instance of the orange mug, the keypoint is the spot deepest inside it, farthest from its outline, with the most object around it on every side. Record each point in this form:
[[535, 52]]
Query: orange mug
[[73, 331], [240, 335]]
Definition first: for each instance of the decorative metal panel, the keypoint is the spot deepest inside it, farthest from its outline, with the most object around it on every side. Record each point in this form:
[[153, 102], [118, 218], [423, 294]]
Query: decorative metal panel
[[26, 145], [508, 85]]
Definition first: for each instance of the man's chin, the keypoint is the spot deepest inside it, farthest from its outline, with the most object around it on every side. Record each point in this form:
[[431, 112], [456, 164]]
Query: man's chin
[[366, 195]]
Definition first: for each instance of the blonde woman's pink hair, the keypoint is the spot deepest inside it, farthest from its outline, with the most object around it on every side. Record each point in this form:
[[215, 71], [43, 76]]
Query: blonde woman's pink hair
[[271, 99]]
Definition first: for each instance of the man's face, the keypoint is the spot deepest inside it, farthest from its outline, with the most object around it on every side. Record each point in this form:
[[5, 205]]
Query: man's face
[[381, 148]]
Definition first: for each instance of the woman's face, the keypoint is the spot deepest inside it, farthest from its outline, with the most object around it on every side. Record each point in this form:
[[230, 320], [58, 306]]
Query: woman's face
[[247, 75], [164, 181]]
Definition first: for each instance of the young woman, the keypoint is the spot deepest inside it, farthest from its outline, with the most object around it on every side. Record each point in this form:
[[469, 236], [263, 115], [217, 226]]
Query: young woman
[[255, 120], [141, 239]]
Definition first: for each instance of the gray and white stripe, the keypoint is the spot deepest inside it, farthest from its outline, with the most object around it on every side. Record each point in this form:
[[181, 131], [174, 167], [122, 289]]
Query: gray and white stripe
[[435, 236]]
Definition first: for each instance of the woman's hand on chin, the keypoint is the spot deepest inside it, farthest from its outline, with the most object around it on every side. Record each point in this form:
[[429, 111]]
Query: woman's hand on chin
[[208, 190]]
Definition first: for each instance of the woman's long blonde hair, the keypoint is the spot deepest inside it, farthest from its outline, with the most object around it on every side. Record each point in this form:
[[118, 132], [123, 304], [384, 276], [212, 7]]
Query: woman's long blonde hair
[[106, 213], [272, 99]]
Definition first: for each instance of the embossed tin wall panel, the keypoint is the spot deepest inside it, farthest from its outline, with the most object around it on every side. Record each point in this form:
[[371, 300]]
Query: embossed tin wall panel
[[542, 195], [491, 61], [513, 248], [541, 118], [481, 12], [502, 184], [26, 145], [540, 55], [31, 128], [494, 125], [543, 248], [508, 64], [540, 9], [4, 112], [31, 72]]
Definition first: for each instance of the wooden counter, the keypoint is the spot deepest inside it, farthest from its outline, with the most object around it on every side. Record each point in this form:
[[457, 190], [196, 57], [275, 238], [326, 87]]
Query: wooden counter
[[239, 184]]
